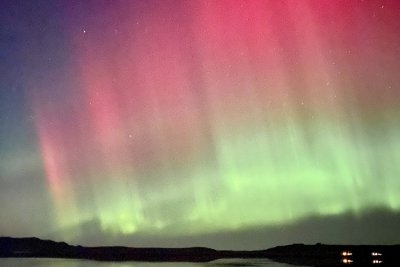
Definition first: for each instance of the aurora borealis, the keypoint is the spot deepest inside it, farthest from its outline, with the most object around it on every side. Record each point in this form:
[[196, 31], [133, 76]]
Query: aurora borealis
[[158, 120]]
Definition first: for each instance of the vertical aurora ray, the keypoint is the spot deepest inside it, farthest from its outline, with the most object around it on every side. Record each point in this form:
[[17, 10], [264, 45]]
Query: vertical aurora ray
[[199, 116]]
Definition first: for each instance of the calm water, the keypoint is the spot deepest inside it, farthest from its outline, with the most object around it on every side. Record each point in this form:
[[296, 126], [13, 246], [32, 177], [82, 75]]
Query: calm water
[[12, 262]]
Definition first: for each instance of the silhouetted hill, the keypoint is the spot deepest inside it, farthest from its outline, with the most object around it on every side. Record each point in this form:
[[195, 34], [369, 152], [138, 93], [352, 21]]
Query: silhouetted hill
[[297, 254], [35, 247]]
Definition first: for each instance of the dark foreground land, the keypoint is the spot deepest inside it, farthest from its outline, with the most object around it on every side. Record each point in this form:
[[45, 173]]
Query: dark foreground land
[[298, 254]]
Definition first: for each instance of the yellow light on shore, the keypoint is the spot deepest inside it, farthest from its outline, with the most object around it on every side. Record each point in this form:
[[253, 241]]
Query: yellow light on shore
[[347, 253]]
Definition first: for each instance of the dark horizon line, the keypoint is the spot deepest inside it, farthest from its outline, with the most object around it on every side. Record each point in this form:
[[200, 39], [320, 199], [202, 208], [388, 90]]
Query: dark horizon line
[[322, 255], [196, 247]]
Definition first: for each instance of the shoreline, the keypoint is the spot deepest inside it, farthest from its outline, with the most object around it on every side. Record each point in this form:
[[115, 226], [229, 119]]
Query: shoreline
[[320, 255]]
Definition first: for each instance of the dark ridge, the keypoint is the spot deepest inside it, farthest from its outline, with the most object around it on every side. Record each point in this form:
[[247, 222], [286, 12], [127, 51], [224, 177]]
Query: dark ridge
[[296, 254]]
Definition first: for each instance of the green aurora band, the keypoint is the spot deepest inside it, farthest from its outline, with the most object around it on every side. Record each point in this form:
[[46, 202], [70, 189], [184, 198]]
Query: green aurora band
[[190, 118]]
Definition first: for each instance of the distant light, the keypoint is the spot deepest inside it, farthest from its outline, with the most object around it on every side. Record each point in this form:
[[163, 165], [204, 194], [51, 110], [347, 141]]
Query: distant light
[[347, 261], [347, 253], [376, 254], [376, 261]]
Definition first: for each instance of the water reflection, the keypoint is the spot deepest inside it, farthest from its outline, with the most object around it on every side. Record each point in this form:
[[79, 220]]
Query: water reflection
[[13, 262], [245, 262]]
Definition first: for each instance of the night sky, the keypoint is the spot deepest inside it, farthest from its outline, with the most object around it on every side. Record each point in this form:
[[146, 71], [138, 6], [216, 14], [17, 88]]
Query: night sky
[[227, 124]]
